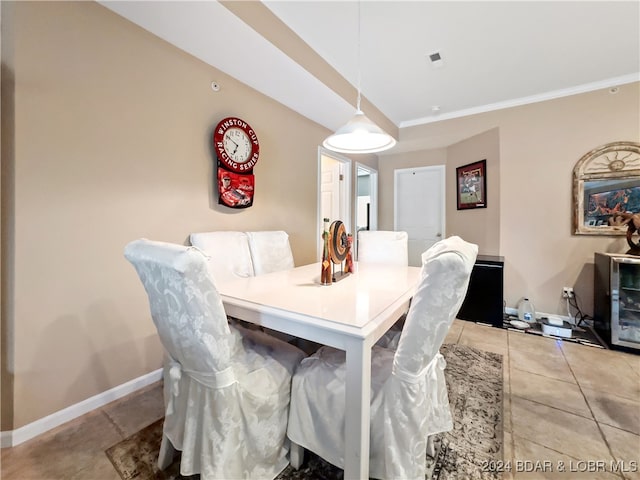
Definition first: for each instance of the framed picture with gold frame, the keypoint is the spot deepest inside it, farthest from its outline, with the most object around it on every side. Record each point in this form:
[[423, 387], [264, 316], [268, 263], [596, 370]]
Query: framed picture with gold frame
[[606, 189], [471, 185]]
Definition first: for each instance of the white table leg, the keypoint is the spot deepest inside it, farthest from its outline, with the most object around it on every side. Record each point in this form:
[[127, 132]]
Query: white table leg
[[296, 455], [357, 411]]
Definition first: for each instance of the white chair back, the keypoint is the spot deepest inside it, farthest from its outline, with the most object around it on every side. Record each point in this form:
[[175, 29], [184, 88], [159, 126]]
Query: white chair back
[[228, 253], [384, 247], [180, 289], [270, 251], [445, 274]]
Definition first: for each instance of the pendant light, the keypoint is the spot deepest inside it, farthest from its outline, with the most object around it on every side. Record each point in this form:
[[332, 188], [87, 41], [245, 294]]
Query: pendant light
[[359, 135]]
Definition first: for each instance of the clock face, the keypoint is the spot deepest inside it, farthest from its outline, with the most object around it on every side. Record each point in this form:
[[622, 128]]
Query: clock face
[[236, 144]]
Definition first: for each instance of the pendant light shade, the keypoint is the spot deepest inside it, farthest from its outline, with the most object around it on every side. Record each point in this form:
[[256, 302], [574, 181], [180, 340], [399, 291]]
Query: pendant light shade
[[359, 135]]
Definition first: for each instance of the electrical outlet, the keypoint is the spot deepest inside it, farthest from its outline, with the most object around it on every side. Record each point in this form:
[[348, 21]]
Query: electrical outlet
[[567, 292]]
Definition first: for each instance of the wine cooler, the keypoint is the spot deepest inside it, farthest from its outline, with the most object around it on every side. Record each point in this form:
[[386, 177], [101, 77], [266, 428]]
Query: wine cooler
[[616, 296]]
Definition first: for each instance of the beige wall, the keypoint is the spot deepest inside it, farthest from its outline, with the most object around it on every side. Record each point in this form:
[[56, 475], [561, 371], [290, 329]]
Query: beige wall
[[484, 146], [112, 141], [530, 151], [481, 225]]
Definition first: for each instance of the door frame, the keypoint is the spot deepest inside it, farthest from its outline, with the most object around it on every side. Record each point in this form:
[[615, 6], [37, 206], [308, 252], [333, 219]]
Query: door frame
[[345, 194], [373, 205], [373, 193]]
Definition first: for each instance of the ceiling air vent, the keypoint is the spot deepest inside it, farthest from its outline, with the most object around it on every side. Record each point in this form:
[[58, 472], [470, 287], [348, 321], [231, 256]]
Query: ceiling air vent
[[436, 59]]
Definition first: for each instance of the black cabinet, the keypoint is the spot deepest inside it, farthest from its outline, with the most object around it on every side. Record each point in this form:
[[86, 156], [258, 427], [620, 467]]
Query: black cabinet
[[485, 301]]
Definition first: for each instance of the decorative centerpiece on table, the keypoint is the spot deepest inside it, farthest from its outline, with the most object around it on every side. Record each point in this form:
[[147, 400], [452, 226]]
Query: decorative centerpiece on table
[[348, 262], [336, 251], [632, 221], [325, 273], [338, 247]]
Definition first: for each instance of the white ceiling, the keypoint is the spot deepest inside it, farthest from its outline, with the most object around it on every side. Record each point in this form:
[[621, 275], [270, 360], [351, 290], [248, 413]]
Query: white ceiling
[[495, 54]]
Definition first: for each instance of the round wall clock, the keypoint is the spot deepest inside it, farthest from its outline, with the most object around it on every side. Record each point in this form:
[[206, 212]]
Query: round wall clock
[[236, 144]]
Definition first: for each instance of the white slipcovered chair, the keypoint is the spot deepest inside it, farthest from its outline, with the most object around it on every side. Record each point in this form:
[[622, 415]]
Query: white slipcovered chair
[[384, 247], [408, 391], [228, 253], [226, 389], [270, 251]]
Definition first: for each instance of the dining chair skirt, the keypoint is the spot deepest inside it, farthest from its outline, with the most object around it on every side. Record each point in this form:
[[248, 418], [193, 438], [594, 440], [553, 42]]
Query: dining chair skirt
[[226, 388], [408, 390]]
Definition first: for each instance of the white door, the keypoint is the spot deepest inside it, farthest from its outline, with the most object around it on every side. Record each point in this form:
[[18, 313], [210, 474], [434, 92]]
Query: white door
[[419, 207], [334, 191], [330, 188]]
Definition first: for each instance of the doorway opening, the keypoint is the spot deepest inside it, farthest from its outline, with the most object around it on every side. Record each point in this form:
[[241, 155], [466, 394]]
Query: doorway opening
[[366, 198]]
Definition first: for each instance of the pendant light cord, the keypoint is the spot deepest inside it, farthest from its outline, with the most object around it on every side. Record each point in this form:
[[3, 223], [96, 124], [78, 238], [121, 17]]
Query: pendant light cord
[[358, 60], [359, 134]]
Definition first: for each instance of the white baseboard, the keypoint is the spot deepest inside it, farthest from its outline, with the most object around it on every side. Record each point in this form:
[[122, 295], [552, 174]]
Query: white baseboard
[[27, 432]]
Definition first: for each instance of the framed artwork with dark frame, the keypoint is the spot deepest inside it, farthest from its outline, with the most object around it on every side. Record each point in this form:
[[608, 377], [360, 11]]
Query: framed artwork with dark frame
[[471, 185]]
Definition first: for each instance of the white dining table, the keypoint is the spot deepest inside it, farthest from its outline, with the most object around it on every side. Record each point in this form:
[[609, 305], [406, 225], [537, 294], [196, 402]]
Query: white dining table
[[351, 315]]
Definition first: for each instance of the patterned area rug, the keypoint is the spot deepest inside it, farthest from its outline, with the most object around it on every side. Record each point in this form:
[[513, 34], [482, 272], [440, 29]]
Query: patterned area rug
[[474, 380]]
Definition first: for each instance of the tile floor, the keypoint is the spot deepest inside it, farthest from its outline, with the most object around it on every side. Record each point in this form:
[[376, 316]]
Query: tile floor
[[565, 405]]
